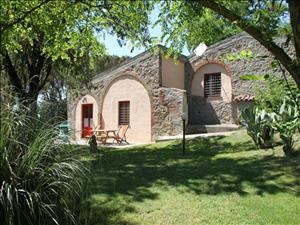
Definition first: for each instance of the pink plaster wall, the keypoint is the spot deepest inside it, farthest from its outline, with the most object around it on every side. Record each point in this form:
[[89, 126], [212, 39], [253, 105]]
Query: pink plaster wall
[[198, 81], [126, 88], [172, 73]]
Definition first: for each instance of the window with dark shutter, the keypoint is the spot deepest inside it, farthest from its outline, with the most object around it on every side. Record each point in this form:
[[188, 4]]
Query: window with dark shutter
[[212, 85], [124, 112]]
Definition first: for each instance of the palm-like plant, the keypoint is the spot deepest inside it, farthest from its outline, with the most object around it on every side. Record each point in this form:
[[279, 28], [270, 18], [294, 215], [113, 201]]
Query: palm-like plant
[[258, 124], [39, 177], [287, 122]]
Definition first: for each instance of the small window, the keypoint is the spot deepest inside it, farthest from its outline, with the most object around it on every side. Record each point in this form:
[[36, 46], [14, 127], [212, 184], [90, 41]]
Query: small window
[[212, 85], [124, 112]]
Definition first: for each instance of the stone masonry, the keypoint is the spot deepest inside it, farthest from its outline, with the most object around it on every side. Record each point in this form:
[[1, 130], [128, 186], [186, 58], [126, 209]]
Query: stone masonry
[[166, 102], [146, 69], [204, 112]]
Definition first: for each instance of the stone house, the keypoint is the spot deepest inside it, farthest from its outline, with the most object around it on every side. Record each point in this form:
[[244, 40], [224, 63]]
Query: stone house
[[150, 91]]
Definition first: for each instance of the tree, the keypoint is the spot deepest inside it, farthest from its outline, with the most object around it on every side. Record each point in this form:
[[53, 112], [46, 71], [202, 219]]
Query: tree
[[212, 29], [264, 20], [37, 34]]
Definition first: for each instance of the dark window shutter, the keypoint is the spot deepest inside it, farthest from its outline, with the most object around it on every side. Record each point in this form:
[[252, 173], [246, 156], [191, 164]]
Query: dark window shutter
[[124, 112]]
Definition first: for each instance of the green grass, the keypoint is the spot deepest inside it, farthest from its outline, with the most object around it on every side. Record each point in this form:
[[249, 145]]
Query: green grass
[[220, 180]]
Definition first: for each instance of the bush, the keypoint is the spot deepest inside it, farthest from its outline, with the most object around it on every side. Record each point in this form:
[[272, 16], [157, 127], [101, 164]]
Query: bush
[[270, 97], [39, 176], [277, 108], [287, 122], [259, 126], [53, 112]]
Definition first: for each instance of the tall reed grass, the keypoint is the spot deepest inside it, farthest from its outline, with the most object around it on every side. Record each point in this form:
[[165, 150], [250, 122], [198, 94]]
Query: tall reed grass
[[40, 177]]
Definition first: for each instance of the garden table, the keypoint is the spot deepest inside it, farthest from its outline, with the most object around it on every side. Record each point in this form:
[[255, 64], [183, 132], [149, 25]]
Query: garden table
[[103, 135]]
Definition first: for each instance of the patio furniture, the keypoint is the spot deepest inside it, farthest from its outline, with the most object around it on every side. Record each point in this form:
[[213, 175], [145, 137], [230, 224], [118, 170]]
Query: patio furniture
[[103, 135], [121, 135]]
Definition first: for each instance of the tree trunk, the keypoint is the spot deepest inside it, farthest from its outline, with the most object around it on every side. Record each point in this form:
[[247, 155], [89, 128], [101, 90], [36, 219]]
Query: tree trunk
[[34, 78], [294, 9]]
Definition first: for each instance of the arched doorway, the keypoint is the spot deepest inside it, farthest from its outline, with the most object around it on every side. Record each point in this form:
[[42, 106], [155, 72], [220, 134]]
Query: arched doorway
[[87, 116], [126, 100]]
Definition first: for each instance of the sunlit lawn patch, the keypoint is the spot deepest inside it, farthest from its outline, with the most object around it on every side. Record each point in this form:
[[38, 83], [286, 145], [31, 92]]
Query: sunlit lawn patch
[[221, 180]]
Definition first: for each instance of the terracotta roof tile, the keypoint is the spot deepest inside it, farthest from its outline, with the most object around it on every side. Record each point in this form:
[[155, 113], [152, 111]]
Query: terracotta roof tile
[[243, 98]]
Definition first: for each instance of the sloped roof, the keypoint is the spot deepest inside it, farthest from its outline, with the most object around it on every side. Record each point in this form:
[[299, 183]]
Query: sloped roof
[[221, 45], [132, 60]]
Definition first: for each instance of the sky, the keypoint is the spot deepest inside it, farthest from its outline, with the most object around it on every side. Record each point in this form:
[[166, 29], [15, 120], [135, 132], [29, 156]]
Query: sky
[[113, 48]]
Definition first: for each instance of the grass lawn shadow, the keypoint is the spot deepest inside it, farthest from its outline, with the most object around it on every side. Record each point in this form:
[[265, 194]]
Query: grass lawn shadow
[[212, 166]]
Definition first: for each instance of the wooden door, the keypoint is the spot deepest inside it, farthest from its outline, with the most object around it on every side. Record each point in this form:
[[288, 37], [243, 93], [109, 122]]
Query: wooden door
[[87, 120]]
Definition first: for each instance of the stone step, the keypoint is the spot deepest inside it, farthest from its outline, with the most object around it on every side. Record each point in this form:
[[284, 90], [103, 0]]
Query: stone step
[[200, 128]]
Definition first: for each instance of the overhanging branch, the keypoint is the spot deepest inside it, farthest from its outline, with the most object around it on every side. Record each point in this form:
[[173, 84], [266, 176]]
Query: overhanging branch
[[256, 33]]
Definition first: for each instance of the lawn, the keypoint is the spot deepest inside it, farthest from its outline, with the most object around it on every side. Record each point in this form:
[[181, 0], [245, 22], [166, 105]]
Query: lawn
[[220, 180]]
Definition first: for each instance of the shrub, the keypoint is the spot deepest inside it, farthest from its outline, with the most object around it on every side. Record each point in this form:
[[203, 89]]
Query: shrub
[[54, 112], [269, 98], [258, 125], [280, 98], [39, 176], [287, 122]]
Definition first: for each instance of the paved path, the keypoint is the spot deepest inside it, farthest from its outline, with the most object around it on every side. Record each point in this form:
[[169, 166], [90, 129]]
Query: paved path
[[161, 138]]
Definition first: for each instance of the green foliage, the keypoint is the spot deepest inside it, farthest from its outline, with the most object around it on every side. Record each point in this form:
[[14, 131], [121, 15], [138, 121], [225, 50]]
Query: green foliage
[[258, 124], [208, 27], [264, 20], [40, 37], [287, 122], [279, 104], [40, 177], [247, 77], [270, 96], [191, 22], [244, 54], [67, 28], [53, 112]]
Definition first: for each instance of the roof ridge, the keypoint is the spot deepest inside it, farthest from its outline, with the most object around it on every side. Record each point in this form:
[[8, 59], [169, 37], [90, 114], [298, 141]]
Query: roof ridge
[[221, 42], [127, 61], [109, 70]]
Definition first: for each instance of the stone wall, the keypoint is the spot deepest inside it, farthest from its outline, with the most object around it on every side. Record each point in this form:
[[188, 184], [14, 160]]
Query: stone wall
[[146, 68], [210, 112], [167, 112], [166, 103], [260, 64], [238, 107]]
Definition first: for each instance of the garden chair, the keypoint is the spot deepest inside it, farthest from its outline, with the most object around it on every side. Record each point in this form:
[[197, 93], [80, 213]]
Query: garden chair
[[121, 135]]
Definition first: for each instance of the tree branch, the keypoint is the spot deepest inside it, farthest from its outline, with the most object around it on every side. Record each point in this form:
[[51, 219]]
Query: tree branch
[[259, 35], [18, 20]]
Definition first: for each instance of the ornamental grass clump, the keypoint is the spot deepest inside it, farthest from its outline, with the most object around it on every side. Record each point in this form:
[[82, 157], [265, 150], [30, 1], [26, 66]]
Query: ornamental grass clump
[[39, 176]]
